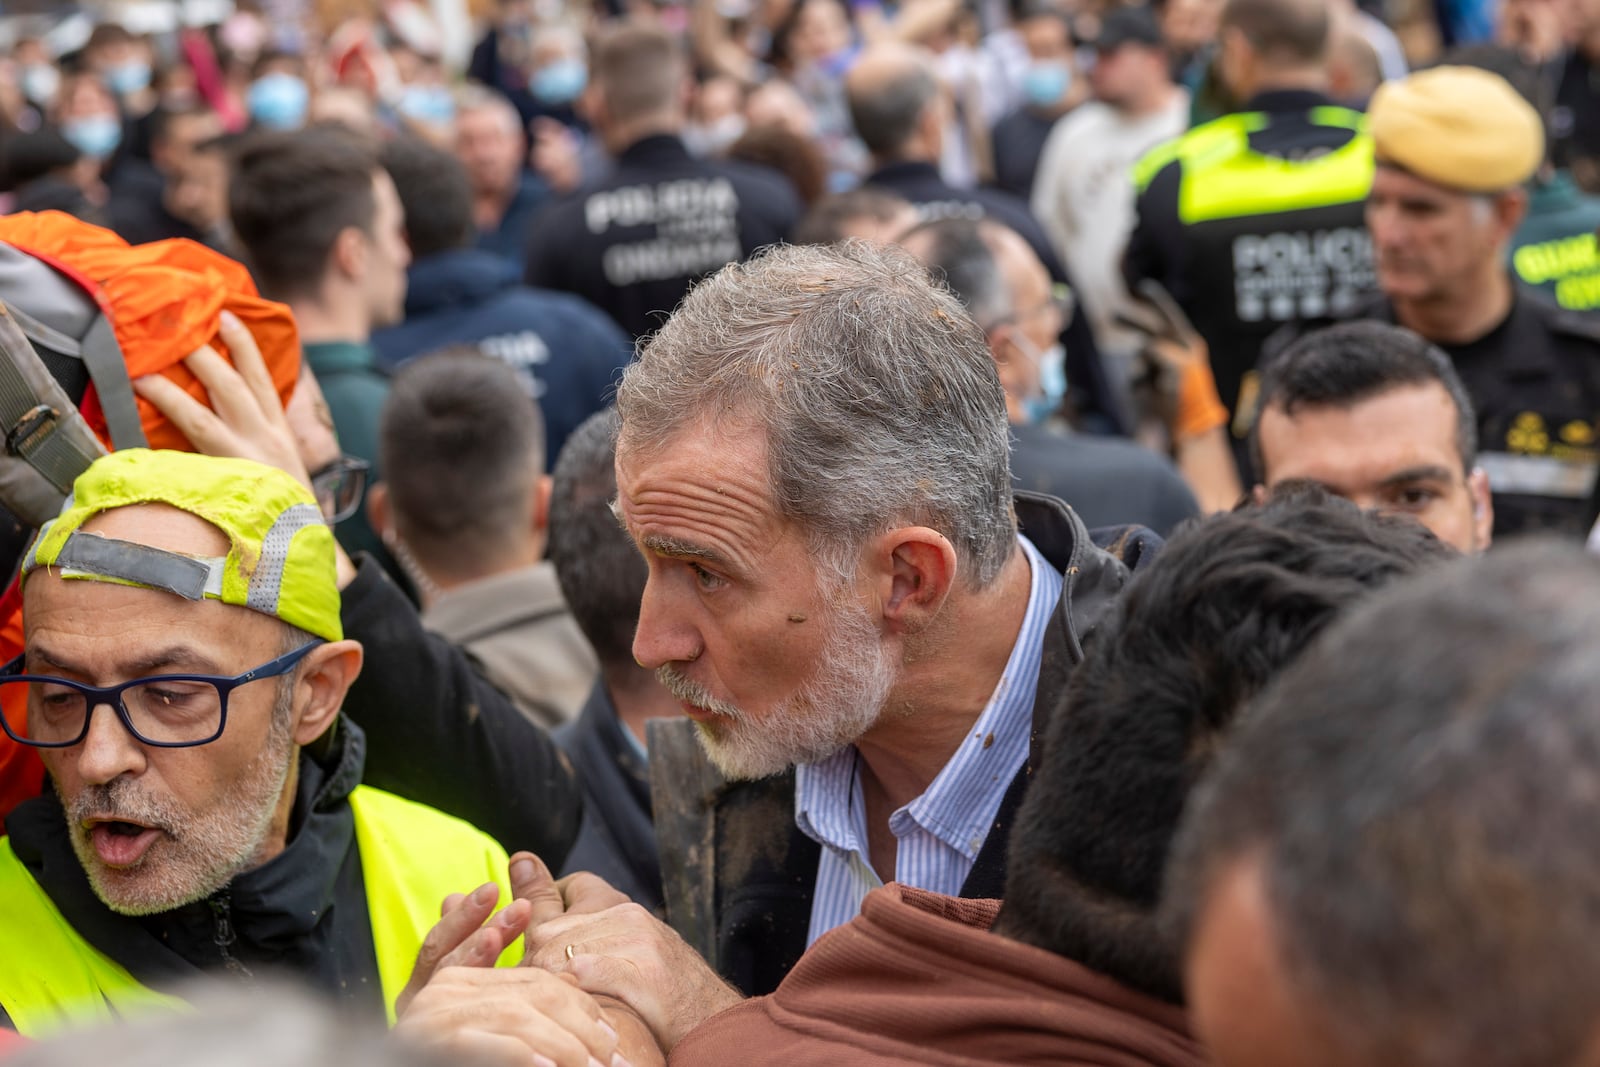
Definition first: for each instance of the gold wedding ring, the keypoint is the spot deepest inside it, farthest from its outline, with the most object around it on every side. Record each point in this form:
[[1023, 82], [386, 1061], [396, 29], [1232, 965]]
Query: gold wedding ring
[[570, 951]]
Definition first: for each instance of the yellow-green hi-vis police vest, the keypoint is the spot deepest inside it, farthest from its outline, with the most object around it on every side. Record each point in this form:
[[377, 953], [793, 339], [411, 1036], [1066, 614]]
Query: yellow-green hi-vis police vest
[[412, 857], [1223, 178]]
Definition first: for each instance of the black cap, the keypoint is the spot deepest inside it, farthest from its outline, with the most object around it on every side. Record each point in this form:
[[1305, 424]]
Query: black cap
[[1128, 25]]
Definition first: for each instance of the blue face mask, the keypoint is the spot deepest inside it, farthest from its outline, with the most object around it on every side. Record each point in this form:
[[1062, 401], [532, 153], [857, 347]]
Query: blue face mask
[[278, 101], [560, 82], [96, 136], [127, 78], [1044, 84], [1052, 365], [432, 104]]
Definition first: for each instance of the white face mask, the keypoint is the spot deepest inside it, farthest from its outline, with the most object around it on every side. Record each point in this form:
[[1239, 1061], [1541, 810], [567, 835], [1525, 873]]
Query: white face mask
[[1051, 365], [714, 138]]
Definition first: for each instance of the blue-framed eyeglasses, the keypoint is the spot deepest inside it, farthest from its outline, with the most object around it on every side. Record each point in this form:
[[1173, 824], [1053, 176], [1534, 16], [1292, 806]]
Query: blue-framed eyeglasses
[[162, 710]]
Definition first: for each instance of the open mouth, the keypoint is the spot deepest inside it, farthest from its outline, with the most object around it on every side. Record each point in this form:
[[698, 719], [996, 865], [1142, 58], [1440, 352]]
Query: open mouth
[[120, 843]]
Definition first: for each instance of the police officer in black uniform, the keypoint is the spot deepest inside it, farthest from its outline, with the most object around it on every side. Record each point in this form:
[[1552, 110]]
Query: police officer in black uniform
[[633, 242], [900, 114], [1253, 220], [1455, 147]]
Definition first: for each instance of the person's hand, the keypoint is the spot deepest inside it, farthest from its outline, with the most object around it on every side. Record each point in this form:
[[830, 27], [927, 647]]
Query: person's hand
[[245, 418], [463, 937], [621, 951], [554, 155], [521, 1017]]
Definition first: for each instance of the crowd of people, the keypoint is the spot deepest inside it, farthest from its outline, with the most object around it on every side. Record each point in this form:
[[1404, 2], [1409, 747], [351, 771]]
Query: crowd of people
[[804, 532]]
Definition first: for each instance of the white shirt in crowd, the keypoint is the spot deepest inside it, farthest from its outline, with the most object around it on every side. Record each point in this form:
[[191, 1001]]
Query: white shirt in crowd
[[1083, 195]]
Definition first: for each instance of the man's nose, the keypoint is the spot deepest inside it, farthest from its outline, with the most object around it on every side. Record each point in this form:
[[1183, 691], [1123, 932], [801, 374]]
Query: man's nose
[[108, 750], [663, 636]]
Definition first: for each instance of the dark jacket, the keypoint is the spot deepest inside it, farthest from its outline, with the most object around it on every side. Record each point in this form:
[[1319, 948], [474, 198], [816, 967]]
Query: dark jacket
[[935, 199], [617, 839], [1108, 482], [303, 912], [509, 239], [633, 242], [440, 734], [1294, 249], [764, 870], [567, 353]]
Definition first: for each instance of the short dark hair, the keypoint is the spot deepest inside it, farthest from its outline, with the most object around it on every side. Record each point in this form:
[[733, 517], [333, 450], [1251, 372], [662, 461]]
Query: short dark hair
[[1343, 365], [435, 194], [292, 193], [825, 222], [601, 573], [640, 69], [886, 117], [960, 253], [1230, 601], [1285, 31], [1419, 796], [461, 446]]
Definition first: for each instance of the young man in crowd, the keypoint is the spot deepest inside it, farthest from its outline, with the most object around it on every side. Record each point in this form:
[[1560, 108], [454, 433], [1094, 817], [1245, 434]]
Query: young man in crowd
[[1375, 414]]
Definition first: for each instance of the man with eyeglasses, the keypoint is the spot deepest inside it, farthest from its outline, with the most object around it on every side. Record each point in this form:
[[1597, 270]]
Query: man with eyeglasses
[[183, 675]]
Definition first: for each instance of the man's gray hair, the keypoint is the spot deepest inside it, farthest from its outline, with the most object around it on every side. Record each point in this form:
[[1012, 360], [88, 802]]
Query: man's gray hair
[[875, 387], [1419, 794]]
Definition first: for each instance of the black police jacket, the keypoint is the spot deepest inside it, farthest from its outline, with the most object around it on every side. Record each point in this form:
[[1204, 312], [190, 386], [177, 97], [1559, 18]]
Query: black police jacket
[[633, 242], [765, 869], [1272, 231]]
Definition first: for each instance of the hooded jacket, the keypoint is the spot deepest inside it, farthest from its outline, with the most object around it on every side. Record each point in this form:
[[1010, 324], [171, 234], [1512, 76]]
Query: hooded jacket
[[917, 978], [567, 352]]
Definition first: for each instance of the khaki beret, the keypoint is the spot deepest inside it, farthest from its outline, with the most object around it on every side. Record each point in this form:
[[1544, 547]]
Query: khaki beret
[[1458, 126]]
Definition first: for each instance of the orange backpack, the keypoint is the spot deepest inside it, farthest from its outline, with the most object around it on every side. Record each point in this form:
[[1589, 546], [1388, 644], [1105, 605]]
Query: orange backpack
[[99, 312]]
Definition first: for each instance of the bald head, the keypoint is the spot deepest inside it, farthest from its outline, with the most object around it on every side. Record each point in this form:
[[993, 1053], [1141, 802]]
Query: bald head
[[891, 90]]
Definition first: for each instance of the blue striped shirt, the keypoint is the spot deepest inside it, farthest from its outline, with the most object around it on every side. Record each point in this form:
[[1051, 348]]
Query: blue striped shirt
[[938, 834]]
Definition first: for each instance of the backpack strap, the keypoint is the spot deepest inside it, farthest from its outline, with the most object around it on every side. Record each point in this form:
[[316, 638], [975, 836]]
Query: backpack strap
[[109, 372], [37, 421]]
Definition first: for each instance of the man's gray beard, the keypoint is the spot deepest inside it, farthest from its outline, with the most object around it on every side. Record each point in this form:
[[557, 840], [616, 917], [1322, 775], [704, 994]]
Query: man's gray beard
[[199, 854], [843, 700]]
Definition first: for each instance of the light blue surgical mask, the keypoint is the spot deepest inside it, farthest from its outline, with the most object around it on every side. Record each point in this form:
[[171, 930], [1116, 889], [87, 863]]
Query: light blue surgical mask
[[96, 136], [278, 101], [1052, 367], [560, 82], [1045, 84], [432, 104], [40, 82], [128, 78]]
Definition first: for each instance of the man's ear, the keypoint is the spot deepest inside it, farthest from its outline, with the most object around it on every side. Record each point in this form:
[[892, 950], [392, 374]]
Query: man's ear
[[326, 675], [913, 569], [541, 505], [1008, 365], [1510, 208], [349, 253], [379, 514], [1482, 508]]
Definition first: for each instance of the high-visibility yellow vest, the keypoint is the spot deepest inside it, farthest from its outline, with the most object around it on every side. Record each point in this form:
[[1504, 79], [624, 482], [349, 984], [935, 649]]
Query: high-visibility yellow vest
[[1224, 178], [412, 857]]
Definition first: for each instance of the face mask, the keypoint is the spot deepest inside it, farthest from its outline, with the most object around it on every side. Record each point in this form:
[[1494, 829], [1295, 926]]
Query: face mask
[[278, 101], [40, 82], [96, 136], [1045, 84], [1052, 366], [432, 104], [130, 77], [714, 139], [560, 82]]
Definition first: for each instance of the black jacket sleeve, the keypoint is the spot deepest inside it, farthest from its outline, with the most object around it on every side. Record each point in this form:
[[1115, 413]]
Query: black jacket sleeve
[[1157, 247], [440, 734]]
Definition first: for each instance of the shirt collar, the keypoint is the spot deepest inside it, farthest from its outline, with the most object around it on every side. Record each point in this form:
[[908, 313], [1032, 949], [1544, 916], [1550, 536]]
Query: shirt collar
[[828, 805]]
